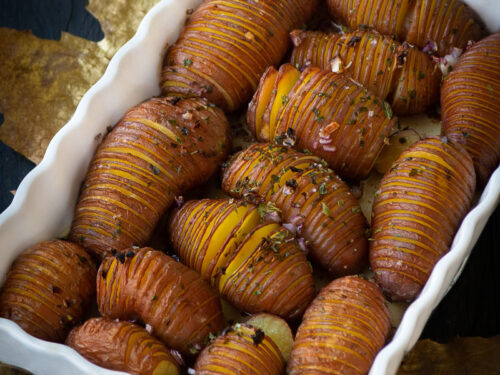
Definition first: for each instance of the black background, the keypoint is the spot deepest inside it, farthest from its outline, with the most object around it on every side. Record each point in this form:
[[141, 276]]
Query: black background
[[471, 308]]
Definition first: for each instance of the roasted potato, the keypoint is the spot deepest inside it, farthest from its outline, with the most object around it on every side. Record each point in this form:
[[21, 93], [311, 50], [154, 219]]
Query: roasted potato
[[342, 330], [122, 346], [247, 349], [399, 73], [49, 289], [159, 149], [325, 113], [256, 266], [149, 285], [226, 46], [470, 107], [437, 26], [418, 208], [313, 200]]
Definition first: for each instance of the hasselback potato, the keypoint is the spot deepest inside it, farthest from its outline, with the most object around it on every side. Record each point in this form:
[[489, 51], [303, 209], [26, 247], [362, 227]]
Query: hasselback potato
[[324, 112], [49, 288], [311, 197], [226, 46], [256, 266], [122, 346], [242, 349], [399, 73], [434, 25], [470, 107], [342, 331], [158, 149], [148, 285], [418, 208]]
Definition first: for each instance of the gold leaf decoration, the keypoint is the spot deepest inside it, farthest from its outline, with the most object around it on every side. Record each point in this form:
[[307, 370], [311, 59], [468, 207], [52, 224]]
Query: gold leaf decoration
[[472, 356], [42, 81]]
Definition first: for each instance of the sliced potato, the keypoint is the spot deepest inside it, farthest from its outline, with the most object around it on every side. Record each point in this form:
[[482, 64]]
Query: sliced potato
[[49, 289], [243, 349], [256, 266], [419, 206], [470, 107], [343, 329], [437, 26], [173, 299], [159, 149], [122, 346], [314, 202]]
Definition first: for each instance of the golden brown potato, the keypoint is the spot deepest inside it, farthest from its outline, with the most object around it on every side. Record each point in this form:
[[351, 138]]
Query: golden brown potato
[[315, 202], [399, 73], [159, 149], [49, 288], [419, 206], [243, 349], [257, 266], [148, 285], [122, 346], [226, 46], [342, 330], [438, 25], [326, 113], [470, 106]]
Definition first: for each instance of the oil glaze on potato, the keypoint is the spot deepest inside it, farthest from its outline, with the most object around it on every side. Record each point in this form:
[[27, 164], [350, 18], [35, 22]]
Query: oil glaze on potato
[[447, 23], [49, 289], [256, 266], [342, 330], [397, 72], [159, 149], [418, 208], [243, 349], [327, 114], [148, 285], [311, 197], [122, 346], [226, 46], [470, 106]]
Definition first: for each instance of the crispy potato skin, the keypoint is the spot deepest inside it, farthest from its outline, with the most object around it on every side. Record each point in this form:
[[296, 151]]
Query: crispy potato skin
[[309, 195], [159, 149], [342, 331], [418, 209], [174, 300], [448, 23], [241, 350], [396, 72], [226, 46], [48, 289], [470, 108], [272, 272], [122, 346], [337, 120]]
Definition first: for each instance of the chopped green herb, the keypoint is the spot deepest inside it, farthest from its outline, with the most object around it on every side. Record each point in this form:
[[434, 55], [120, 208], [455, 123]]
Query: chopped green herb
[[188, 62], [325, 209], [387, 110]]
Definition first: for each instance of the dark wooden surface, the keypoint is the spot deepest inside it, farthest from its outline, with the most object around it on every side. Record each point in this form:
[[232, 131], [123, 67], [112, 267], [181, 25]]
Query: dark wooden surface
[[471, 308]]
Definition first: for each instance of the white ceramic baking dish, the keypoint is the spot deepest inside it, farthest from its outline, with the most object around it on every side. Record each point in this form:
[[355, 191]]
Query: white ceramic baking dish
[[44, 202]]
